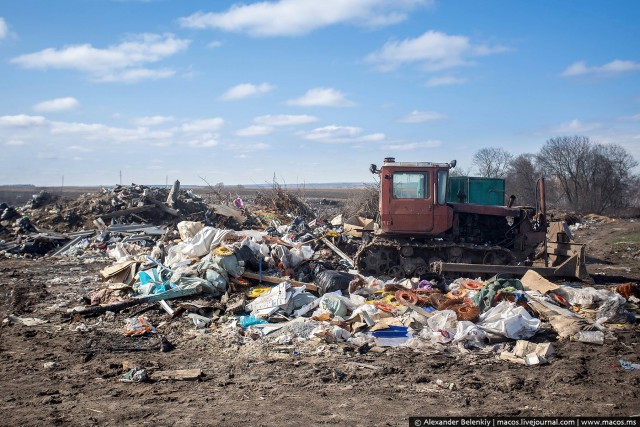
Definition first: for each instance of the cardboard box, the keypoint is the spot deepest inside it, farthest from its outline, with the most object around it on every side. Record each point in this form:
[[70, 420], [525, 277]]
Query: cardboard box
[[355, 225]]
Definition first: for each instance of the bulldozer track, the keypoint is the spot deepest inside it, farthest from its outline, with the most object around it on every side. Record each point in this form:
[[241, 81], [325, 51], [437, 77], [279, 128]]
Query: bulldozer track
[[406, 257]]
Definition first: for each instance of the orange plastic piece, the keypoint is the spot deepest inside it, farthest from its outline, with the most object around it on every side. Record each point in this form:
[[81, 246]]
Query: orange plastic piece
[[384, 307], [405, 296], [471, 285], [458, 293]]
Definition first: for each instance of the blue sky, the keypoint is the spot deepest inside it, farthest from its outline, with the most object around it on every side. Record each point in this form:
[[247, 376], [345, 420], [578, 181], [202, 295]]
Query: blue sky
[[313, 91]]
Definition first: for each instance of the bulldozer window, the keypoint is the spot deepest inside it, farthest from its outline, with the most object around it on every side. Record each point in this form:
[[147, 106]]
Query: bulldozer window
[[410, 186], [442, 187]]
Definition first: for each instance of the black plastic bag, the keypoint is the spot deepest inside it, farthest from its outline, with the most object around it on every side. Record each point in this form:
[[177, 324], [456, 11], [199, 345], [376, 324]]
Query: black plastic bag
[[244, 253], [331, 280]]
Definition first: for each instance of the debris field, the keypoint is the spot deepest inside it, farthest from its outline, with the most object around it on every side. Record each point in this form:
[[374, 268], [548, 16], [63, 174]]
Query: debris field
[[145, 305]]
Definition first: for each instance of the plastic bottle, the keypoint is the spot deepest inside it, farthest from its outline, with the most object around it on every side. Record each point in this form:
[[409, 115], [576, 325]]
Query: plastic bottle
[[593, 337]]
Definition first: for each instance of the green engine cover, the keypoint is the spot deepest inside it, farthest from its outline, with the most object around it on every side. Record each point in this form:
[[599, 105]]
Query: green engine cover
[[480, 191]]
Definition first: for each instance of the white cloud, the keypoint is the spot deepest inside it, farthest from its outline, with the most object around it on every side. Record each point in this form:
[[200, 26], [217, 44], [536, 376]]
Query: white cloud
[[284, 119], [433, 50], [634, 118], [58, 104], [215, 44], [296, 17], [575, 69], [617, 66], [85, 137], [4, 28], [422, 117], [203, 125], [121, 62], [248, 148], [254, 131], [134, 75], [14, 142], [79, 149], [379, 136], [22, 120], [415, 145], [37, 130], [445, 81], [152, 120], [322, 97], [101, 132], [341, 134], [575, 125], [206, 140], [245, 90]]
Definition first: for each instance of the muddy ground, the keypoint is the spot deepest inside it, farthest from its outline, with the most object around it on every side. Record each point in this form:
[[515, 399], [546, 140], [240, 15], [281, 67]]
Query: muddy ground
[[249, 383]]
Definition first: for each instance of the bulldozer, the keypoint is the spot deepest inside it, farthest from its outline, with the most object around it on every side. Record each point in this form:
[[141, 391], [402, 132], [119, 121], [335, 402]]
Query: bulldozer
[[419, 231]]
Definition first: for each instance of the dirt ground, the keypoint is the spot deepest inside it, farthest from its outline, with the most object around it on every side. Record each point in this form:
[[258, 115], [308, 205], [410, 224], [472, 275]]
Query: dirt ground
[[249, 383]]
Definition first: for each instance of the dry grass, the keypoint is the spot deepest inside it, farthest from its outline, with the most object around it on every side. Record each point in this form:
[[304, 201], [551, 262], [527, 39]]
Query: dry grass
[[284, 200], [363, 202]]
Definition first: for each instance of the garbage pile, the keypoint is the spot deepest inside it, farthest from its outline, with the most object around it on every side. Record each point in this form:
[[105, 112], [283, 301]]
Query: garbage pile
[[589, 220], [290, 283], [47, 223], [277, 272]]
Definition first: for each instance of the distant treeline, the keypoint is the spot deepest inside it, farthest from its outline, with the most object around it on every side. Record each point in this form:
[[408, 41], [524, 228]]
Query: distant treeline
[[581, 175]]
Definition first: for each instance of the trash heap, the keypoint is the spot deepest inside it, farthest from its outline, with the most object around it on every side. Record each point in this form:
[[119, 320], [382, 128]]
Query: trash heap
[[46, 222], [276, 272], [290, 284]]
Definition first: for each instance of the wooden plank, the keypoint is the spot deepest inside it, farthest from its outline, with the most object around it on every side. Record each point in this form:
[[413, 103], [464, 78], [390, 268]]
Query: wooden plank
[[149, 197], [165, 208], [277, 280], [338, 251], [177, 375], [119, 306]]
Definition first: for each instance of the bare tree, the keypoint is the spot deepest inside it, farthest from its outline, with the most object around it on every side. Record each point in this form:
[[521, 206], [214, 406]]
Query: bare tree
[[521, 179], [592, 177], [492, 162], [458, 171]]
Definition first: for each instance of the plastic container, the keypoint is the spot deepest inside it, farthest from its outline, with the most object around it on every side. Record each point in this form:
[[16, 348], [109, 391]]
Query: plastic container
[[592, 337], [246, 321], [391, 332]]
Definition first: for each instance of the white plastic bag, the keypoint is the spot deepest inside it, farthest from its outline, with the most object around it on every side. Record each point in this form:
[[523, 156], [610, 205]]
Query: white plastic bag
[[340, 334], [253, 234], [584, 297], [307, 252], [509, 320], [175, 256], [443, 325], [612, 310], [322, 331], [125, 252], [335, 303], [206, 239], [188, 229], [469, 333]]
